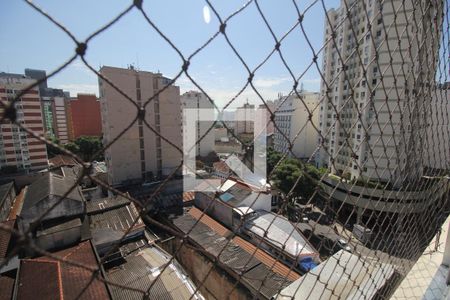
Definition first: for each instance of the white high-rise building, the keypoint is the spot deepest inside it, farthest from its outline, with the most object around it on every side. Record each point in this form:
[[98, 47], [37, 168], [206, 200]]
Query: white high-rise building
[[197, 100], [292, 118], [139, 154], [376, 87]]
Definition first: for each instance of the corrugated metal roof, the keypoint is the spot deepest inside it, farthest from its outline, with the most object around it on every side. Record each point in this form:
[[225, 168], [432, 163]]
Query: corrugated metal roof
[[5, 238], [62, 160], [266, 259], [119, 219], [6, 287], [4, 190], [210, 222], [235, 257], [280, 233], [139, 272], [266, 282], [103, 204], [50, 184], [17, 204]]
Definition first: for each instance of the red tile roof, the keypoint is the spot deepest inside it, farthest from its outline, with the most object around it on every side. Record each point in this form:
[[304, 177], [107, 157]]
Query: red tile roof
[[39, 280], [221, 166], [62, 160], [6, 287], [266, 259], [67, 280], [208, 221], [5, 237], [188, 197]]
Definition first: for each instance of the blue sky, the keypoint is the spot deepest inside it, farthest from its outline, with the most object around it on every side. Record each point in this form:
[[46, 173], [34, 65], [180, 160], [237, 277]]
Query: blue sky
[[29, 40]]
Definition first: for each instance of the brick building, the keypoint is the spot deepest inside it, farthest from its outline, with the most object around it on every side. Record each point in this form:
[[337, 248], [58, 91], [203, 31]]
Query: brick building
[[84, 116]]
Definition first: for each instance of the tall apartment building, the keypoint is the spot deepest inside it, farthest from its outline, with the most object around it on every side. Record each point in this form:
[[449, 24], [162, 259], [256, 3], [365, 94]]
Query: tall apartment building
[[246, 112], [54, 108], [84, 116], [378, 79], [197, 100], [292, 117], [262, 110], [437, 151], [139, 154], [17, 148]]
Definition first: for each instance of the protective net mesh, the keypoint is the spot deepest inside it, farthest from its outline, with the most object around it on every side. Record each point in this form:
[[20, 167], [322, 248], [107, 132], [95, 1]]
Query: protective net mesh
[[349, 219]]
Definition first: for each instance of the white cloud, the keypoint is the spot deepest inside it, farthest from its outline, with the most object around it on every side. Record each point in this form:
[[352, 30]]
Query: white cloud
[[269, 82], [311, 81], [81, 88]]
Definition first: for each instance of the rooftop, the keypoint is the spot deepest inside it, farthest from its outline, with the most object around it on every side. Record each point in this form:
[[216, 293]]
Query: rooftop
[[342, 276], [110, 219], [17, 204], [279, 231], [104, 204], [263, 276], [5, 237], [62, 160], [62, 279], [140, 271], [4, 190], [51, 185]]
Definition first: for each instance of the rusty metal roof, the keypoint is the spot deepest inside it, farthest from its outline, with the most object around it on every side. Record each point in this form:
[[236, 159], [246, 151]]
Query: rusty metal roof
[[233, 258], [62, 160], [210, 222], [17, 204], [6, 287], [5, 238], [266, 259]]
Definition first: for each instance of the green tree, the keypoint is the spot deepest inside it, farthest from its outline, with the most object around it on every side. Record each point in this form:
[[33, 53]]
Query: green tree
[[291, 173], [52, 151], [86, 147], [273, 157]]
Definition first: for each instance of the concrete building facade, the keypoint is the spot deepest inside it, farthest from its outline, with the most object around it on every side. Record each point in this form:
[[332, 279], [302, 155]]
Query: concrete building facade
[[139, 154], [246, 112], [263, 111], [292, 117], [84, 116], [54, 108], [437, 153], [374, 96], [17, 148], [197, 100]]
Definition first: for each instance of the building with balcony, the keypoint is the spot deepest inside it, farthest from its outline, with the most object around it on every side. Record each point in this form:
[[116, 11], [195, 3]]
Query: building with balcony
[[375, 88]]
